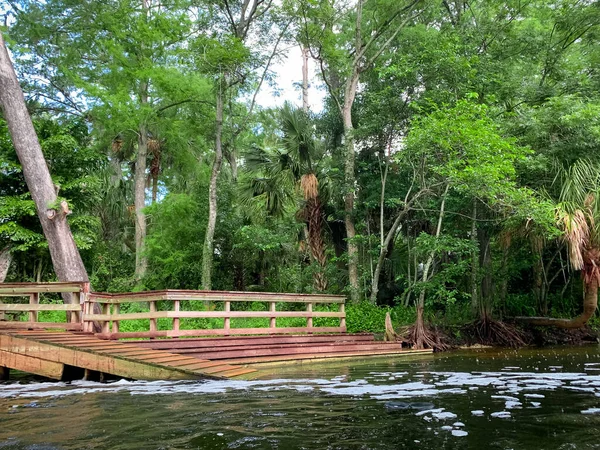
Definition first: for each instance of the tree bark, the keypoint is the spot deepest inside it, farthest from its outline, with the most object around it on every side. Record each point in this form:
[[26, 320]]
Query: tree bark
[[141, 262], [349, 181], [590, 303], [474, 261], [305, 80], [208, 251], [315, 241], [52, 214], [5, 260]]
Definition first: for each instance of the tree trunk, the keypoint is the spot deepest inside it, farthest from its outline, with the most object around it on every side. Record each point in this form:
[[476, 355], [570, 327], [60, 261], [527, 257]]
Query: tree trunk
[[487, 288], [504, 280], [590, 303], [349, 182], [383, 253], [5, 260], [53, 216], [474, 262], [208, 251], [420, 331], [315, 241], [141, 261], [305, 80]]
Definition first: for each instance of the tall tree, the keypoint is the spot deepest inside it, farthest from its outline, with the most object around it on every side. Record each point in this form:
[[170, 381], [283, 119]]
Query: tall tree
[[51, 211], [234, 62], [114, 63], [368, 29]]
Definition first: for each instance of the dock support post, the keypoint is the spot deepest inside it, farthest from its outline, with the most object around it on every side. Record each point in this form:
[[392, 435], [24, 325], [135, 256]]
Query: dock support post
[[4, 373], [309, 320]]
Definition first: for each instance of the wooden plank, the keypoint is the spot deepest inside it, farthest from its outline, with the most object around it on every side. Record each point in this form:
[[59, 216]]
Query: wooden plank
[[286, 350], [24, 289], [40, 307], [39, 325], [200, 366], [216, 296], [334, 355], [291, 347], [167, 360], [153, 315], [236, 372], [219, 331], [216, 369], [250, 340], [130, 353], [37, 366]]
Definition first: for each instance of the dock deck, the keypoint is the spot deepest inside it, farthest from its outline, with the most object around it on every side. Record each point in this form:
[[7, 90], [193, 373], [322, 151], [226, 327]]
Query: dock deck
[[90, 346]]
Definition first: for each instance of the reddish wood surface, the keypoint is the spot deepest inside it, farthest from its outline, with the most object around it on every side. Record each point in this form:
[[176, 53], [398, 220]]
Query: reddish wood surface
[[252, 340], [289, 350]]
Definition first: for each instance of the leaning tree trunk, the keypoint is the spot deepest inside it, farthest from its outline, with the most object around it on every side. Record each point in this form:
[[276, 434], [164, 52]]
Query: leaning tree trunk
[[590, 303], [208, 251], [52, 214]]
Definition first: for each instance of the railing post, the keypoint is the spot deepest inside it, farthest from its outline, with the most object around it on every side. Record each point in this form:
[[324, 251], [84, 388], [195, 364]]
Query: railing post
[[342, 309], [106, 323], [34, 299], [309, 320], [73, 316], [176, 308], [273, 321], [153, 326], [227, 321], [115, 324]]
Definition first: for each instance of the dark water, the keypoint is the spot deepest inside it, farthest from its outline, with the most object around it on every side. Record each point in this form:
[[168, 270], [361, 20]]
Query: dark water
[[530, 399]]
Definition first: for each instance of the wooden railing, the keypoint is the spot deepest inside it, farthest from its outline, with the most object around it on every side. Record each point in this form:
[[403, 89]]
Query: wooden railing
[[172, 307], [33, 290]]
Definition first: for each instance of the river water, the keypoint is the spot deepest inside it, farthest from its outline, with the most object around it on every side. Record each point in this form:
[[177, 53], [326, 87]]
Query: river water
[[496, 399]]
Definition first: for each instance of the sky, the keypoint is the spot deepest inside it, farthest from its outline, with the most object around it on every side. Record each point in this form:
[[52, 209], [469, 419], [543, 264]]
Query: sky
[[288, 74]]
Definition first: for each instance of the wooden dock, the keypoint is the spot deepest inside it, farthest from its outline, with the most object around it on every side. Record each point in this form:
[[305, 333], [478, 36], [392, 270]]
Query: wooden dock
[[89, 345]]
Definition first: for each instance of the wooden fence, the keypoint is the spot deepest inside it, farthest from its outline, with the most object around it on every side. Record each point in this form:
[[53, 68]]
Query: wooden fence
[[175, 305], [173, 300], [33, 290]]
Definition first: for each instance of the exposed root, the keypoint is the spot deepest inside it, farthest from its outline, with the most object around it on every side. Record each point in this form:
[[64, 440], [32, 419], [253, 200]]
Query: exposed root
[[420, 336], [493, 332]]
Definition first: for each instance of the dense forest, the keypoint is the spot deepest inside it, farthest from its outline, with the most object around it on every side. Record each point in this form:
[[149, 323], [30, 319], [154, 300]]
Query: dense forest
[[451, 176]]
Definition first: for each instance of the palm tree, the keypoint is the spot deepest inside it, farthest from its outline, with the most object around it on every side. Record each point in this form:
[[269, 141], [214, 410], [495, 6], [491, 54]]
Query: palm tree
[[578, 216], [280, 172]]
